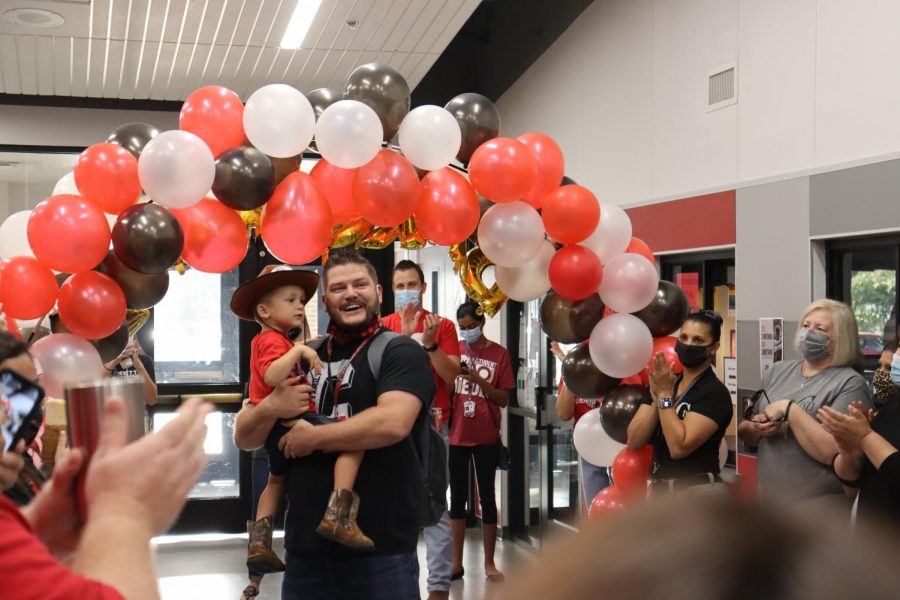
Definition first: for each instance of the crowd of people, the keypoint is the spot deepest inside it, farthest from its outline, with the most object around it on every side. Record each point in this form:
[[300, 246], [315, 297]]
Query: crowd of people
[[337, 423]]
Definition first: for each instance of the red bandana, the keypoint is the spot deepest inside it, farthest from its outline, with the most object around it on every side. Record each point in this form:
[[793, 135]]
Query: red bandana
[[342, 337]]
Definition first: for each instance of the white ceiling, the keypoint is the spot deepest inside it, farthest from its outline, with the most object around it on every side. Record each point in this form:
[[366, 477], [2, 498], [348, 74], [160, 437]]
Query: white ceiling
[[165, 49]]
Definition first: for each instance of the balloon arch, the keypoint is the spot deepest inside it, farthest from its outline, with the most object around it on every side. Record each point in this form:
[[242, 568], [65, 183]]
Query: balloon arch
[[194, 196]]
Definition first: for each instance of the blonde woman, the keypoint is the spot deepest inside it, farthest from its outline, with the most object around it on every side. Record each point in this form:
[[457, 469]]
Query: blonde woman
[[795, 451]]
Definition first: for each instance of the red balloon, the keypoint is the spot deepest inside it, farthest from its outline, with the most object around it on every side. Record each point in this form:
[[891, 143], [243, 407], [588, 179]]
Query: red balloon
[[666, 345], [550, 167], [448, 209], [634, 380], [215, 237], [337, 185], [91, 305], [631, 469], [215, 114], [570, 214], [385, 189], [28, 289], [575, 272], [107, 176], [68, 234], [607, 500], [639, 246], [503, 169], [296, 221]]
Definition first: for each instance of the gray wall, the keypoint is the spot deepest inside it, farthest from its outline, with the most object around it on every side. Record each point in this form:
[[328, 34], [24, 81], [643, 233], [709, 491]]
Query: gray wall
[[855, 200]]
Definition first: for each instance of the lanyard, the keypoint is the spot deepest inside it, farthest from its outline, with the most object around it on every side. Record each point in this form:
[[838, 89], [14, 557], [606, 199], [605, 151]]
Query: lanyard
[[343, 371], [474, 366]]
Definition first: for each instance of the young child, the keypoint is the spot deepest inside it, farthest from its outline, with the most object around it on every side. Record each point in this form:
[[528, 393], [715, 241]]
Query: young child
[[276, 299]]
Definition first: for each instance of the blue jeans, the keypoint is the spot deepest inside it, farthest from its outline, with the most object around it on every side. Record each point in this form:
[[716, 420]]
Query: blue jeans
[[439, 547], [594, 479], [370, 577]]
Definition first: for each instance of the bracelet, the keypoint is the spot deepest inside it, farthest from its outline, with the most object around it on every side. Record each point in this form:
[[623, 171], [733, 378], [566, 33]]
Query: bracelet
[[787, 410], [852, 484]]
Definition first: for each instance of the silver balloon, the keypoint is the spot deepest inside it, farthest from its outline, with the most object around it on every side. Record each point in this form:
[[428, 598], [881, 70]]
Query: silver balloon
[[479, 121], [384, 90], [321, 99]]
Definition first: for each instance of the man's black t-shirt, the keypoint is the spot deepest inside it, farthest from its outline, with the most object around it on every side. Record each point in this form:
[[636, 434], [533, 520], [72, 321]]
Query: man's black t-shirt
[[389, 482], [709, 397]]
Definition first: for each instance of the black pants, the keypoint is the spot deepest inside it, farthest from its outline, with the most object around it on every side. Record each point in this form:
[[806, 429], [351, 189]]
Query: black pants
[[486, 460]]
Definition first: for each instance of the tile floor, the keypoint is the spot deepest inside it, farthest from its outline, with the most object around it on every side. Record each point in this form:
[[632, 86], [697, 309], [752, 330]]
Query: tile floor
[[211, 567]]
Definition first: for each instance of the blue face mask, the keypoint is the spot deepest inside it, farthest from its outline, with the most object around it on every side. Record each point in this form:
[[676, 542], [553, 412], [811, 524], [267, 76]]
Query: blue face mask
[[404, 297], [470, 335], [895, 370]]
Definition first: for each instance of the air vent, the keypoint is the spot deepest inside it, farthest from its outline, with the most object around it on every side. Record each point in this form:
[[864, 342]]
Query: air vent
[[722, 87]]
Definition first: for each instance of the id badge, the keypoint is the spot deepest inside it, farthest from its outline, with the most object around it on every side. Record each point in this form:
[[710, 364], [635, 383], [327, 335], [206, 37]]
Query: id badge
[[342, 411], [469, 408]]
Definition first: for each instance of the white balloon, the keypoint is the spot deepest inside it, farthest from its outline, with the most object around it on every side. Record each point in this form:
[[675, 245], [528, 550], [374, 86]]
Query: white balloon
[[612, 235], [430, 137], [621, 345], [592, 443], [65, 358], [66, 185], [14, 235], [630, 283], [279, 120], [530, 281], [511, 234], [176, 169], [348, 134]]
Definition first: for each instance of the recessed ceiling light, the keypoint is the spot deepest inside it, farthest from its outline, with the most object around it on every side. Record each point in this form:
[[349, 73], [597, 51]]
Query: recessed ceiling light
[[301, 21], [352, 23], [33, 17]]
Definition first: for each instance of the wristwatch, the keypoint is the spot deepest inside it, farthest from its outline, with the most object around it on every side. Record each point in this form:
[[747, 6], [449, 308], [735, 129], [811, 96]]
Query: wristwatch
[[431, 348], [665, 402]]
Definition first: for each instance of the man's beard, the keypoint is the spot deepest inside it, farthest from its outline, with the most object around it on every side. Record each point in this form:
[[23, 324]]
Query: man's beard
[[372, 314]]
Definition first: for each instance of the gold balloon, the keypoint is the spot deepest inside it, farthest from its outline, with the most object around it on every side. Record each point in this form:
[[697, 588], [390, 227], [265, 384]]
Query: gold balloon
[[379, 237], [180, 266], [410, 237], [136, 319], [349, 234], [491, 299], [252, 220], [458, 256]]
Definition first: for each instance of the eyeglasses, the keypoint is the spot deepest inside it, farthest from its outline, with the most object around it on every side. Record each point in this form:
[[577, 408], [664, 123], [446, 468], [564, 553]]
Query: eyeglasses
[[751, 402]]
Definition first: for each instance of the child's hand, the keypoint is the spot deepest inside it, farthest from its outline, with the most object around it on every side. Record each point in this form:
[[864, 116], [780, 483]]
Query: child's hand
[[311, 356]]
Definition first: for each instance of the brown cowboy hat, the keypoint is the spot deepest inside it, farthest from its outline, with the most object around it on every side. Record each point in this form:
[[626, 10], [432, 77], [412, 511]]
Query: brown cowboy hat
[[244, 300]]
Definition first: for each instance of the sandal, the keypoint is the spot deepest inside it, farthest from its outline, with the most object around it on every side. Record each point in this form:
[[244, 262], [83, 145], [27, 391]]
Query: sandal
[[457, 575], [249, 592]]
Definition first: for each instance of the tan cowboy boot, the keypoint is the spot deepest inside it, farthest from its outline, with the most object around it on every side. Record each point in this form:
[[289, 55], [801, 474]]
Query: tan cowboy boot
[[339, 522], [260, 556]]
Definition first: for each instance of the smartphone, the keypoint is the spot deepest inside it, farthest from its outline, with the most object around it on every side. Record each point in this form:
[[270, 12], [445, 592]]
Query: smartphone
[[20, 400]]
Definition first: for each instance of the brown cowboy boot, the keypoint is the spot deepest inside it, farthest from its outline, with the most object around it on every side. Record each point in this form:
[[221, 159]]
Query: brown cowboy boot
[[260, 557], [339, 522]]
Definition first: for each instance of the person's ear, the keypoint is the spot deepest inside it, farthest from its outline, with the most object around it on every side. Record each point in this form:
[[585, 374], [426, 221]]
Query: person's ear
[[378, 290], [715, 348], [263, 311]]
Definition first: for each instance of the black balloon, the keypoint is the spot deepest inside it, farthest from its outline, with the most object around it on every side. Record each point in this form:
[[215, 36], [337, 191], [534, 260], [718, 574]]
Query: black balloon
[[384, 90], [142, 290], [285, 166], [568, 321], [483, 205], [582, 376], [245, 178], [321, 99], [147, 238], [479, 121], [618, 408], [668, 310], [566, 180], [111, 346], [133, 136]]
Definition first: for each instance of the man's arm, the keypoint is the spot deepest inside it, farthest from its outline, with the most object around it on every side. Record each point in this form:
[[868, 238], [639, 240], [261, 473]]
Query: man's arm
[[254, 422], [446, 365], [385, 424]]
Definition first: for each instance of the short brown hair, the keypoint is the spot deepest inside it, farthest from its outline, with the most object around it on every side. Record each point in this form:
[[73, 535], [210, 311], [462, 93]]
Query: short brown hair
[[408, 265], [349, 256]]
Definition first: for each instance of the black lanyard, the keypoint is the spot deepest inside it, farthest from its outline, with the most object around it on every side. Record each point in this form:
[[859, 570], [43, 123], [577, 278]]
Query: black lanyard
[[343, 371], [474, 366]]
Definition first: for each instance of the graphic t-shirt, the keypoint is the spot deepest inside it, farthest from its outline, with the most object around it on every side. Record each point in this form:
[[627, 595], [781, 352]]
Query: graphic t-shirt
[[581, 407], [446, 340], [388, 481], [709, 397], [493, 364], [131, 371]]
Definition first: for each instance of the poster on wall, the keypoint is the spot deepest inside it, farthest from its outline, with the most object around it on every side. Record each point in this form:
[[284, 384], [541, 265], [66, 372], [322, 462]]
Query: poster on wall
[[690, 285], [730, 365], [771, 343]]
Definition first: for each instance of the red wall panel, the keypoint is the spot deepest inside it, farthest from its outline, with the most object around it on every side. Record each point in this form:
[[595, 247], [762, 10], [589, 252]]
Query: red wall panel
[[687, 223]]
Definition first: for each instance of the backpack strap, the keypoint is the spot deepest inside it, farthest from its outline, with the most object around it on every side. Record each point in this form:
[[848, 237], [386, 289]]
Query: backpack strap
[[376, 349]]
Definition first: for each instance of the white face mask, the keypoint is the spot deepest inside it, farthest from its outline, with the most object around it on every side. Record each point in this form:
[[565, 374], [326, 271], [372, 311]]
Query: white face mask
[[470, 335]]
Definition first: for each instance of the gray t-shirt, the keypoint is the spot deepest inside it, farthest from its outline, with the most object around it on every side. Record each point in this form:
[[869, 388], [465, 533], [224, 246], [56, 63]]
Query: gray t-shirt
[[785, 470]]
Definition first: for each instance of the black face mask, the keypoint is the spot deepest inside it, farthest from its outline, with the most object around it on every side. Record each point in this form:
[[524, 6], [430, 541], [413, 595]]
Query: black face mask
[[691, 356]]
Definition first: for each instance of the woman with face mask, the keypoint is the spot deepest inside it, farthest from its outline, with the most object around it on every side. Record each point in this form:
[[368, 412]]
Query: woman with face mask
[[795, 452], [686, 416], [482, 389]]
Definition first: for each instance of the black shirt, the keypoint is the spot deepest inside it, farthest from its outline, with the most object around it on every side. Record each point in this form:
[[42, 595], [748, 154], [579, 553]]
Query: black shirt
[[879, 494], [709, 397], [388, 482], [122, 371]]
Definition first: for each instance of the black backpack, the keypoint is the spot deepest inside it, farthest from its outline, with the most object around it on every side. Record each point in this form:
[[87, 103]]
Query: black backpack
[[427, 442]]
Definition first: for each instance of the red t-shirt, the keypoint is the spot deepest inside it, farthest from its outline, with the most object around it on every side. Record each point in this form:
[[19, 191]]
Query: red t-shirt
[[30, 571], [581, 407], [447, 341], [267, 347], [493, 365]]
